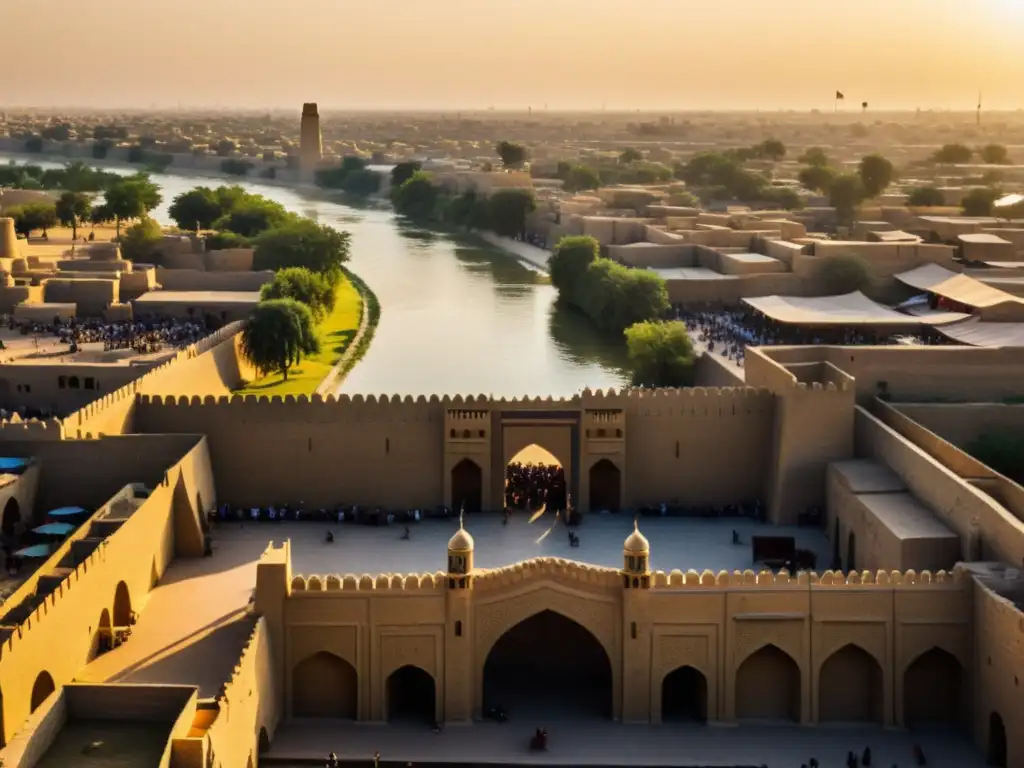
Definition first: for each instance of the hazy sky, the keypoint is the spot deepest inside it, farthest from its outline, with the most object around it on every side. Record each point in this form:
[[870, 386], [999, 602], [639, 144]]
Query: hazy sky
[[569, 54]]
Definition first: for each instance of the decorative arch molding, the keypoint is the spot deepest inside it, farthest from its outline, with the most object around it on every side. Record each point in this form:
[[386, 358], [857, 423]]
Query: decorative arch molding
[[788, 645], [942, 644], [872, 643], [543, 436], [787, 637], [596, 614]]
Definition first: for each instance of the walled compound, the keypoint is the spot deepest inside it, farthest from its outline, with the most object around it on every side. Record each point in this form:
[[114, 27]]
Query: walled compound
[[911, 616]]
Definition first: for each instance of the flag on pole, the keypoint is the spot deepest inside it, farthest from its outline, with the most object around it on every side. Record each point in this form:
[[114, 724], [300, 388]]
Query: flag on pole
[[839, 96]]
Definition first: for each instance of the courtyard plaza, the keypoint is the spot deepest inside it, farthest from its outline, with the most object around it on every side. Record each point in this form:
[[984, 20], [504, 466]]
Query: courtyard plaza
[[594, 742], [194, 624]]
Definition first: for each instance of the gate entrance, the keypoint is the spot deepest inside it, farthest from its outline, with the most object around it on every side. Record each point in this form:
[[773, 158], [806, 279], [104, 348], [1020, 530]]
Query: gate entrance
[[467, 486], [605, 487], [535, 479]]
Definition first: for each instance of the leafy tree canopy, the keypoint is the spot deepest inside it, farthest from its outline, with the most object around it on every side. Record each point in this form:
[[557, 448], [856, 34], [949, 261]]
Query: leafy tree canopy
[[403, 171], [845, 273], [771, 149], [32, 216], [817, 178], [814, 156], [953, 154], [279, 334], [416, 197], [72, 208], [569, 261], [196, 209], [980, 201], [507, 210], [926, 197], [630, 155], [303, 243], [141, 240], [299, 283], [876, 174], [995, 154], [513, 156], [845, 194], [661, 354], [253, 215], [132, 197], [579, 177]]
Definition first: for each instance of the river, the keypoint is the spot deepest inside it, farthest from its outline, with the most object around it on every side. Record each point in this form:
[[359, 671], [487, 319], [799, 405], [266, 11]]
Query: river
[[458, 316]]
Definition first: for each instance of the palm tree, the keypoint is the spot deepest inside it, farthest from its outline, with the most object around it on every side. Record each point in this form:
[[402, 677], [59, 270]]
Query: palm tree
[[280, 332]]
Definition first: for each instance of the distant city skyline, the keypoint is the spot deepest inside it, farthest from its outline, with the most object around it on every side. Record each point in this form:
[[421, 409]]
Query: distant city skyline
[[572, 55]]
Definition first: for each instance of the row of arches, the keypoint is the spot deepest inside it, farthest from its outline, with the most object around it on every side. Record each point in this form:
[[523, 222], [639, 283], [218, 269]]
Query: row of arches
[[551, 661], [604, 476]]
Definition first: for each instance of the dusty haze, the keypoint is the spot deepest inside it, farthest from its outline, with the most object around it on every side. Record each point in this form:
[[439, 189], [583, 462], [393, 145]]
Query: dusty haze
[[568, 54]]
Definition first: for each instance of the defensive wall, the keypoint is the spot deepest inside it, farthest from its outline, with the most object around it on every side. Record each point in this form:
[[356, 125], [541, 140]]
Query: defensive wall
[[212, 366], [94, 582], [203, 280], [809, 648], [962, 423]]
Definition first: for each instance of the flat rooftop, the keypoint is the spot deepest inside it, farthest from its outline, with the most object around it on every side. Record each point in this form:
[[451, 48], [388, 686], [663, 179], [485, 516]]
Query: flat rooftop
[[752, 258], [868, 476], [905, 516], [198, 297], [106, 744], [689, 273]]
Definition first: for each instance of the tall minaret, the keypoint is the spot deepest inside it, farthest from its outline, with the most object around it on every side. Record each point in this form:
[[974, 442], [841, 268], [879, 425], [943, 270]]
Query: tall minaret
[[310, 139]]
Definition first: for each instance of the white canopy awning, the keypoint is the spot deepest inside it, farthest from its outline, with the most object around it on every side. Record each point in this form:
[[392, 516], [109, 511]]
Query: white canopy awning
[[978, 333], [850, 309], [956, 287]]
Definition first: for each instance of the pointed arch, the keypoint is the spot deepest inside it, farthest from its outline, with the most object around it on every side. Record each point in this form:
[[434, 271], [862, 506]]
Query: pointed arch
[[996, 752], [467, 486], [605, 486], [325, 686], [850, 687], [768, 686], [684, 695], [122, 605], [41, 690], [932, 687], [411, 695]]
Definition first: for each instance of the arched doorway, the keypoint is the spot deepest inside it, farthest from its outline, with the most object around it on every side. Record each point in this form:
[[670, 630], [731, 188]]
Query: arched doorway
[[850, 688], [684, 696], [931, 689], [535, 478], [411, 695], [122, 605], [324, 685], [768, 686], [104, 636], [996, 755], [548, 665], [851, 552], [11, 517], [467, 486], [605, 487], [41, 690], [263, 745]]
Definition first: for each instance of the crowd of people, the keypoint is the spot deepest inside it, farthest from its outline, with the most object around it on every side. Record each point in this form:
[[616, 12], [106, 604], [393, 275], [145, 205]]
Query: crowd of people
[[730, 332], [144, 335], [531, 486]]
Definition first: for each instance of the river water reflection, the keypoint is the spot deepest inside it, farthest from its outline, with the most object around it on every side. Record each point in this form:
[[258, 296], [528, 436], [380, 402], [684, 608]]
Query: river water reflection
[[458, 316]]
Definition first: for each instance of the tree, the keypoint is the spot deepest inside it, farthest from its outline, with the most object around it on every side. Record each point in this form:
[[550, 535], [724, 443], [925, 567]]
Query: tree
[[953, 154], [994, 154], [72, 208], [221, 241], [815, 157], [507, 210], [876, 174], [580, 177], [416, 197], [280, 332], [140, 241], [299, 283], [236, 166], [785, 198], [362, 183], [569, 261], [817, 178], [926, 197], [771, 149], [615, 297], [131, 198], [630, 155], [845, 194], [404, 171], [252, 216], [512, 155], [845, 273], [225, 148], [303, 243], [33, 216], [661, 354], [196, 209], [1002, 451], [100, 214], [979, 201]]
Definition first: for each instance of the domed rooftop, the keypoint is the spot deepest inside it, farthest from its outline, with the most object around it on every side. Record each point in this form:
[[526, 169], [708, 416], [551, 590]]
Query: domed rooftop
[[636, 542], [461, 541]]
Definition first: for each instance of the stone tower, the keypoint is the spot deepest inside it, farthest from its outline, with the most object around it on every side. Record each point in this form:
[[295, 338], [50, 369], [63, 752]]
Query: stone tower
[[636, 622], [310, 139], [9, 246], [459, 634]]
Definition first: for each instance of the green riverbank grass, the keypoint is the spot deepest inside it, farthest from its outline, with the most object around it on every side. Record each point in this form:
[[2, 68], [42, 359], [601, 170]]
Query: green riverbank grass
[[335, 332]]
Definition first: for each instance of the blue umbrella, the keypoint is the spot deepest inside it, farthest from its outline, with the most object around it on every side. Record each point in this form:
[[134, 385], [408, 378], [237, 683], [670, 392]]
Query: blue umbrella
[[9, 465], [36, 550], [54, 529], [65, 512]]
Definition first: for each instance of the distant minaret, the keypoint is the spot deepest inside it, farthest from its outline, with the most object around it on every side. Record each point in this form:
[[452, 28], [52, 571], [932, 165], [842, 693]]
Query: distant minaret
[[979, 108], [310, 139]]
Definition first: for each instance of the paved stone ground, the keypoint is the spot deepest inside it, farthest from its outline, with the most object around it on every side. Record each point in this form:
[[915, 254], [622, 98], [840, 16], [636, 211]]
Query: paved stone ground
[[675, 543], [611, 744]]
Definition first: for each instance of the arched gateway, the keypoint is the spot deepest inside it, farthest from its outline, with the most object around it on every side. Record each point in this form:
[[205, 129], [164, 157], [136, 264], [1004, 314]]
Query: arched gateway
[[548, 665]]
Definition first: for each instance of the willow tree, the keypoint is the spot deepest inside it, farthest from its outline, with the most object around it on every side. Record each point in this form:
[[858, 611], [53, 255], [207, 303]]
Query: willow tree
[[280, 332]]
